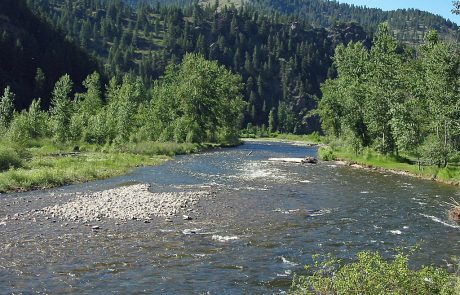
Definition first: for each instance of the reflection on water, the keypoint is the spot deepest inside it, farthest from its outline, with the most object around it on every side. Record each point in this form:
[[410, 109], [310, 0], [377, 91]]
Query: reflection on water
[[267, 220]]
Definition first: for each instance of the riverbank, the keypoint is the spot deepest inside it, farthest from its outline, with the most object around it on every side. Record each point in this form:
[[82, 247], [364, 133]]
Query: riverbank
[[373, 161], [44, 165], [309, 140]]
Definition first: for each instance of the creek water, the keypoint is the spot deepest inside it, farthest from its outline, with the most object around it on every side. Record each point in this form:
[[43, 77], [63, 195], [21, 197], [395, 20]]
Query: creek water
[[265, 222]]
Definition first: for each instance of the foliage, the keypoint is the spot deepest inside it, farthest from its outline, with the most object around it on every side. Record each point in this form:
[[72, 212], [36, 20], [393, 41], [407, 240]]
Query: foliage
[[34, 54], [197, 102], [395, 100], [281, 62], [9, 158], [160, 148], [327, 154], [61, 109], [6, 108], [371, 158], [371, 274]]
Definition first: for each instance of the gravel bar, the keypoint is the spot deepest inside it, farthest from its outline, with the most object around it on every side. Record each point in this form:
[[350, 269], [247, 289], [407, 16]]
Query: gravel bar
[[133, 202]]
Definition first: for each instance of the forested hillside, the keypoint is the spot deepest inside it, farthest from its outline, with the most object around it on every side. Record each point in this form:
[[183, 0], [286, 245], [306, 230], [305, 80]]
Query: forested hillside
[[408, 25], [282, 53], [34, 55], [282, 62]]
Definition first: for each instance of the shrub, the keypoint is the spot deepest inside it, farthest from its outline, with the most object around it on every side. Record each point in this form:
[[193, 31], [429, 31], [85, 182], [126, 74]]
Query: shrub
[[9, 158], [371, 274], [326, 154]]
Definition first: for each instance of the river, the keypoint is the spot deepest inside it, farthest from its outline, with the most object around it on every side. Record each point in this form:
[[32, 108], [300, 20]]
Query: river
[[265, 222]]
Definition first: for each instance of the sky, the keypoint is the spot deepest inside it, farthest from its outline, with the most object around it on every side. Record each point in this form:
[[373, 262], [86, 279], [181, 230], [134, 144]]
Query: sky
[[441, 7]]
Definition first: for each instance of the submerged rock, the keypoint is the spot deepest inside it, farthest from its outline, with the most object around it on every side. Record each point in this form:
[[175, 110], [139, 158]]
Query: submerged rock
[[454, 213], [310, 160]]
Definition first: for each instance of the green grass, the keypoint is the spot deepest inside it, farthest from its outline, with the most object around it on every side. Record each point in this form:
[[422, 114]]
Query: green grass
[[449, 174], [9, 158], [161, 148], [43, 164], [51, 171], [313, 138]]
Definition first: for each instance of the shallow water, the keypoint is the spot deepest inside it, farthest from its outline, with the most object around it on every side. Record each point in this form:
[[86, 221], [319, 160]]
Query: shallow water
[[264, 224]]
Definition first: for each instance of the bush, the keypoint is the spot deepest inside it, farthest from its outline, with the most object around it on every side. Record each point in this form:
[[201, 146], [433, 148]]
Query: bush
[[9, 158], [152, 148], [326, 154], [371, 274]]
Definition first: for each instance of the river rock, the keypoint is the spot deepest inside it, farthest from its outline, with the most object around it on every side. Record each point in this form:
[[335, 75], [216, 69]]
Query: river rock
[[133, 202]]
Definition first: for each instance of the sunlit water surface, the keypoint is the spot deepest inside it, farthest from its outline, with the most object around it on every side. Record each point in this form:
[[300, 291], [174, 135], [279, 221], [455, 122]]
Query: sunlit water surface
[[265, 223]]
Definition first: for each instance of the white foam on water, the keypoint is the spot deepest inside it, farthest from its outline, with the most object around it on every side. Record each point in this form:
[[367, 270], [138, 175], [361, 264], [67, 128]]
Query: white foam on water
[[167, 230], [436, 219], [285, 261], [283, 211], [224, 239], [405, 227], [189, 231], [261, 170], [320, 212], [200, 255], [395, 232]]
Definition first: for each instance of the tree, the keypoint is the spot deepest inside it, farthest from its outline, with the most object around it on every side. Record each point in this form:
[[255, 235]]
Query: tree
[[61, 109], [40, 81], [199, 100], [384, 88], [456, 8], [6, 108], [272, 121], [440, 64]]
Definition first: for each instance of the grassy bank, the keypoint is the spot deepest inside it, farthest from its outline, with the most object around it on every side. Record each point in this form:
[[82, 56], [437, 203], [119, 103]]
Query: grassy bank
[[43, 164], [371, 159], [313, 138]]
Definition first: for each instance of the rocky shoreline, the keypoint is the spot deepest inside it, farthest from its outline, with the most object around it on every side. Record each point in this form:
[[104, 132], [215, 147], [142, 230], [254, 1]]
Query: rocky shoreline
[[134, 202], [393, 171]]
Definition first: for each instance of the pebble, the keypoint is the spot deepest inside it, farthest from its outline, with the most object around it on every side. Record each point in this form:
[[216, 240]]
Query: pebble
[[186, 217], [133, 202], [95, 227]]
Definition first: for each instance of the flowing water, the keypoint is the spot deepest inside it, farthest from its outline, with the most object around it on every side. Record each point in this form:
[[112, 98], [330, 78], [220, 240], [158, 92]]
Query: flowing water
[[265, 222]]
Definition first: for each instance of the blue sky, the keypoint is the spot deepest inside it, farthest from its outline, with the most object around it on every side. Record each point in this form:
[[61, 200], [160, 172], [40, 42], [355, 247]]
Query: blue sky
[[441, 7]]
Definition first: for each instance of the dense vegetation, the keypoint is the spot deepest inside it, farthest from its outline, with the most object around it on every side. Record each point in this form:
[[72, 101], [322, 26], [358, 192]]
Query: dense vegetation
[[197, 102], [396, 100], [34, 54], [282, 62], [371, 274], [281, 57], [408, 25]]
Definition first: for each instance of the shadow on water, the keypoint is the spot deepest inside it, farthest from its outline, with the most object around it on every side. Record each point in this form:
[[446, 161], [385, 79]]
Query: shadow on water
[[264, 224]]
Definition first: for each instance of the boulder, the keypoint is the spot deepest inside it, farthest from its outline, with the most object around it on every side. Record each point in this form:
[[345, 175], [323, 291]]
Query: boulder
[[310, 160]]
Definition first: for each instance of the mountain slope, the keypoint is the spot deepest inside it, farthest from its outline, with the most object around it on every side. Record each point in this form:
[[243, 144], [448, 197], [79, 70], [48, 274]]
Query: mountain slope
[[281, 62], [27, 44], [409, 25]]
